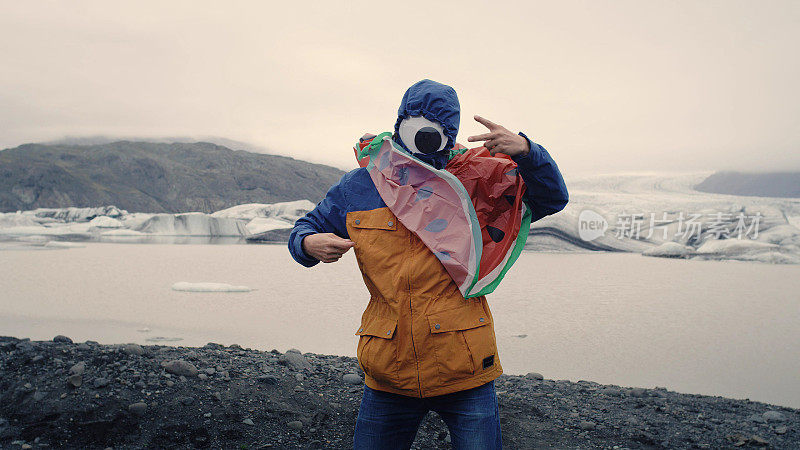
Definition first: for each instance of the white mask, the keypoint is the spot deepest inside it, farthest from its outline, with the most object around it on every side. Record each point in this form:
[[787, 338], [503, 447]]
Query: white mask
[[422, 135]]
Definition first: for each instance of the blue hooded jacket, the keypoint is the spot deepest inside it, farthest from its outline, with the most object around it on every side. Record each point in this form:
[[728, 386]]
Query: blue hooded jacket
[[545, 192], [436, 102]]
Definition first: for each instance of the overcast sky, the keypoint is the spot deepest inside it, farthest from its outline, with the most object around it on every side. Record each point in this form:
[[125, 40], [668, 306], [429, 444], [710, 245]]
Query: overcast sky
[[605, 86]]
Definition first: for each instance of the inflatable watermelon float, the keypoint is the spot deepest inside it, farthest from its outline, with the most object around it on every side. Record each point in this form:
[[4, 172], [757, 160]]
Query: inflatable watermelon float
[[471, 215]]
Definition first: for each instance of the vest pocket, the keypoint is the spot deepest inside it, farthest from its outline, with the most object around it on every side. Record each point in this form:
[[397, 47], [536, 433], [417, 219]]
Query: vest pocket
[[377, 351], [368, 226], [461, 341]]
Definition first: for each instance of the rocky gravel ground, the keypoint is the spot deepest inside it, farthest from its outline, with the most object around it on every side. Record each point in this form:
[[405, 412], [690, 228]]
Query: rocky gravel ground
[[64, 394]]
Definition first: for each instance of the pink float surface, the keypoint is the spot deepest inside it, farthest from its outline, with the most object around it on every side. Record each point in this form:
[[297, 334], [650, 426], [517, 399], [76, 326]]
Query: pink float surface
[[469, 215]]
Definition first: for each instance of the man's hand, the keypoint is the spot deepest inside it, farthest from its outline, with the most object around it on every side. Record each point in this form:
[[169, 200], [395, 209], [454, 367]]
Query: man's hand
[[326, 247], [500, 140]]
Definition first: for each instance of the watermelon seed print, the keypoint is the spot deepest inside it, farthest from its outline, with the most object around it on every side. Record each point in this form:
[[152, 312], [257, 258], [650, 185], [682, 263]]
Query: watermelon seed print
[[436, 225], [496, 234], [423, 193], [442, 255], [384, 162], [402, 176], [441, 208]]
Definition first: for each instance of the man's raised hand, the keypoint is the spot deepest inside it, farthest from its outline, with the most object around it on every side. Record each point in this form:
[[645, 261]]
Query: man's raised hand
[[326, 247], [500, 140]]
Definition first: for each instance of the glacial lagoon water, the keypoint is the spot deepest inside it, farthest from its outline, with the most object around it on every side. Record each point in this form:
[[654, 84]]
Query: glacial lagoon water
[[706, 327]]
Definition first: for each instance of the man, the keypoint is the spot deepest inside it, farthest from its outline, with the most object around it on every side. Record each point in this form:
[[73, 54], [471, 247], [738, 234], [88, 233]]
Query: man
[[424, 344]]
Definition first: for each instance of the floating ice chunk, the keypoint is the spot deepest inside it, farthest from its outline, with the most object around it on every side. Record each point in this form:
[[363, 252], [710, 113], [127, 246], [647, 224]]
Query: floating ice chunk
[[122, 232], [33, 239], [105, 222], [669, 250], [144, 330], [781, 234], [772, 257], [163, 339], [208, 287], [38, 230], [11, 245], [62, 244], [734, 247]]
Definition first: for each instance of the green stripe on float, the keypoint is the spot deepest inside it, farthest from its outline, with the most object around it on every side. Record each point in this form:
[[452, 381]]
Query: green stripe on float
[[519, 244]]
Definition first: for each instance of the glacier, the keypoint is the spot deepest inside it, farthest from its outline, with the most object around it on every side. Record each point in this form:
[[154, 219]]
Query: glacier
[[643, 213], [649, 214]]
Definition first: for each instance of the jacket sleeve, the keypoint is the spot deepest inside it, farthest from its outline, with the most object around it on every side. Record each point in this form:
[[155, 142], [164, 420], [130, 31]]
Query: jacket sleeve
[[329, 216], [545, 192]]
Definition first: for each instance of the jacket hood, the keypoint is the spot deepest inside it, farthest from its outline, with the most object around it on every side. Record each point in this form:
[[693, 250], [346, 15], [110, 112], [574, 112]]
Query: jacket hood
[[434, 101]]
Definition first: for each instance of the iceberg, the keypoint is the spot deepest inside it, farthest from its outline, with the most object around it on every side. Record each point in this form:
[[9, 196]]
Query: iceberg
[[108, 221], [105, 222], [268, 222], [63, 222], [258, 221], [289, 211], [208, 287], [135, 220], [735, 248], [781, 235], [771, 257], [192, 224], [261, 225], [17, 219], [78, 214], [670, 250]]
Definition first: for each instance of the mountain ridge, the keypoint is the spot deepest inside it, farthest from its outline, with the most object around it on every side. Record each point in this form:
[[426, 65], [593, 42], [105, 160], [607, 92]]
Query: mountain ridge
[[100, 139], [154, 177], [784, 184]]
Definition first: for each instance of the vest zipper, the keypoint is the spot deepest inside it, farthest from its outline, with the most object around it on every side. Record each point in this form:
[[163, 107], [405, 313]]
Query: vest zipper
[[411, 308]]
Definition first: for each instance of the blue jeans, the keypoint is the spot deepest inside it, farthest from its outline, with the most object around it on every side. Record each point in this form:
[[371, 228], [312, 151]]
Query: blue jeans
[[390, 421]]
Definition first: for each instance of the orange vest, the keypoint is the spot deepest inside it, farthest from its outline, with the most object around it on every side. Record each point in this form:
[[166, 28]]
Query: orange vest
[[419, 337]]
